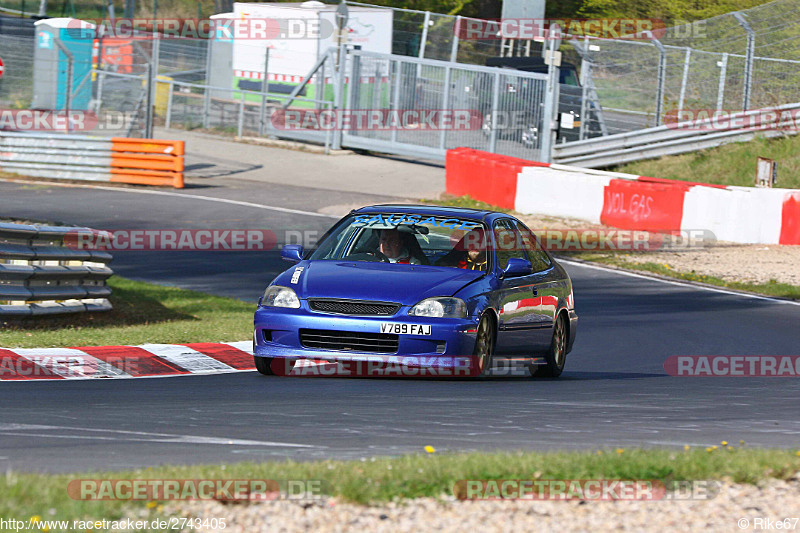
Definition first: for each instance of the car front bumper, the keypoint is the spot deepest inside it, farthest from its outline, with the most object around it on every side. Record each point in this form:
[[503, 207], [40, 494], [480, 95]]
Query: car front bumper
[[277, 335]]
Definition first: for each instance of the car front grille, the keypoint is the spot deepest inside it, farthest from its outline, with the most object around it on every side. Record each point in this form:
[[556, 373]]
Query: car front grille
[[351, 341], [353, 307]]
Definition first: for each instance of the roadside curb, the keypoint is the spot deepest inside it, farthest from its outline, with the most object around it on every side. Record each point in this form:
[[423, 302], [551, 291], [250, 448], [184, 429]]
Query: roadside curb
[[123, 362]]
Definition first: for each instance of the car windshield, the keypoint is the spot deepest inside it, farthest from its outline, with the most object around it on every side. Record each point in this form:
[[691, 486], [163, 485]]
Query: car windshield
[[412, 239]]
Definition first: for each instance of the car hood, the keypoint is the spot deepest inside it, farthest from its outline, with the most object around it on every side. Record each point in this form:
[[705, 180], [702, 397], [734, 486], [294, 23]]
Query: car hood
[[357, 280]]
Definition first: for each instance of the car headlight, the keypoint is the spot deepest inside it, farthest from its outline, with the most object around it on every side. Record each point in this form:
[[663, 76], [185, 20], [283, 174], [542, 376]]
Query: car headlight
[[440, 308], [277, 296]]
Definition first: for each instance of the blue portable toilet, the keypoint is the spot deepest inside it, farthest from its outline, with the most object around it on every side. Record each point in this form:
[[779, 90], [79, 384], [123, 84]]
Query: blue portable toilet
[[56, 40]]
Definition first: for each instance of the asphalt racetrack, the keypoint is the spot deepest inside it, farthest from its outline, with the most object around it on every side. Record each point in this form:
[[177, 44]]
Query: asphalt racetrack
[[614, 392]]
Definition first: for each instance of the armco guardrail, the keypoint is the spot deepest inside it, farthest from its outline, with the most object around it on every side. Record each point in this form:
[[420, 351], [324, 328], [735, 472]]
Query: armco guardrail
[[677, 138], [83, 157], [39, 275], [626, 201]]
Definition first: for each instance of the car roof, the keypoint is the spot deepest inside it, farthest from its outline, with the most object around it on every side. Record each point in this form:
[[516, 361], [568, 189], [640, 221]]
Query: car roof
[[433, 210]]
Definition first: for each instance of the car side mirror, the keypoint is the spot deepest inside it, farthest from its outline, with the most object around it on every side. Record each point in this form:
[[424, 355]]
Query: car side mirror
[[292, 253], [517, 267]]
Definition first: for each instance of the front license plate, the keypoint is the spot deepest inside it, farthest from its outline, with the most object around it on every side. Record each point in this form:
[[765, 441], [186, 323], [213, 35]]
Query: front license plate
[[405, 329]]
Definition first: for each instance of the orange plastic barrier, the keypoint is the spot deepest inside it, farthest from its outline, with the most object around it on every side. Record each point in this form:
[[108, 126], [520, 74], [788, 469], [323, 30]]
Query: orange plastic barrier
[[147, 161]]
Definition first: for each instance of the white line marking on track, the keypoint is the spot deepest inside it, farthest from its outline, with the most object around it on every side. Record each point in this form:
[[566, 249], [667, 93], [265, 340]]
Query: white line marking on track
[[14, 429], [679, 283], [170, 193]]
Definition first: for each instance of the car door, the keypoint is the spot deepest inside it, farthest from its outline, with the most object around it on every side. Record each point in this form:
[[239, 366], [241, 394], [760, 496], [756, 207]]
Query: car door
[[545, 287], [516, 302]]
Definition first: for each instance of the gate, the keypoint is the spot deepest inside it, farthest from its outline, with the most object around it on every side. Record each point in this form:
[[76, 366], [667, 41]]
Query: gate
[[493, 109]]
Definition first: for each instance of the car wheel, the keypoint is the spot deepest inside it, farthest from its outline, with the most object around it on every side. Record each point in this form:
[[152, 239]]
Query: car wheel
[[265, 365], [557, 354], [484, 346]]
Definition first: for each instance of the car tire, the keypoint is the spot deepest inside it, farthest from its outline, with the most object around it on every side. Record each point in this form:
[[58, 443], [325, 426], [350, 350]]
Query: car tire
[[556, 355], [266, 366], [484, 345]]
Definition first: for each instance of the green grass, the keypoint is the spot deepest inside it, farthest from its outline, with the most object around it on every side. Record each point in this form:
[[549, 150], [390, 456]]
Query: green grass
[[143, 313], [464, 201], [412, 476], [730, 164]]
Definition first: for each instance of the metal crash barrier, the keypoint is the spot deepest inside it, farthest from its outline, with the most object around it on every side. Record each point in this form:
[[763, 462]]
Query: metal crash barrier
[[83, 157], [40, 275]]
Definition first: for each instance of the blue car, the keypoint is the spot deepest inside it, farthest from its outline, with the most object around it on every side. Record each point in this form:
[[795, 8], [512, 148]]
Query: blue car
[[450, 291]]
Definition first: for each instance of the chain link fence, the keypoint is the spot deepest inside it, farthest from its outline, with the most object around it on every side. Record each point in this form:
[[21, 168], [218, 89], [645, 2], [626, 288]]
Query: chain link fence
[[697, 66], [749, 59]]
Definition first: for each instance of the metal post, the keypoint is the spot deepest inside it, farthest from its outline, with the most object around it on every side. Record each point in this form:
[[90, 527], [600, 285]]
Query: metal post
[[721, 87], [262, 124], [240, 126], [168, 118], [339, 93], [444, 106], [111, 14], [148, 111], [101, 80], [68, 96], [328, 135], [320, 92], [43, 8], [495, 106], [662, 72], [207, 91], [748, 64], [550, 101], [398, 69], [424, 38], [586, 67], [424, 41], [686, 61], [454, 46], [152, 84], [376, 87]]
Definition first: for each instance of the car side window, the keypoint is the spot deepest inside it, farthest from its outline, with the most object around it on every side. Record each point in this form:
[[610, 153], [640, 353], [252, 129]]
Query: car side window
[[507, 243], [539, 259]]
